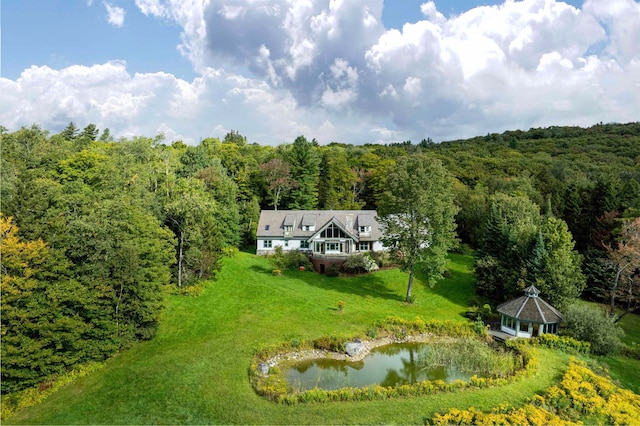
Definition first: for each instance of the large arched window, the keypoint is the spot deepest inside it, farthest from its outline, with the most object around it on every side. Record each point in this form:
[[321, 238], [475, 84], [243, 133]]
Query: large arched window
[[332, 231]]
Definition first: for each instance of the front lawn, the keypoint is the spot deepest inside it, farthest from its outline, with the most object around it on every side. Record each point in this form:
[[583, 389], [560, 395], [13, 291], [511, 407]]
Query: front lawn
[[196, 370]]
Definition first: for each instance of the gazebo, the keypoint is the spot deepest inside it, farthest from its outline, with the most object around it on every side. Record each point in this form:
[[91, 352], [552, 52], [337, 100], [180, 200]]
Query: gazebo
[[529, 315]]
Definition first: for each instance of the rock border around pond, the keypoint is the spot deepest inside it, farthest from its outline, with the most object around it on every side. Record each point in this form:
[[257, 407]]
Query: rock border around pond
[[367, 346]]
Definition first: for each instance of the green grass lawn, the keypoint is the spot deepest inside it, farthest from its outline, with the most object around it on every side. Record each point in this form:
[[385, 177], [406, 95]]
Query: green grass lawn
[[196, 370], [630, 323]]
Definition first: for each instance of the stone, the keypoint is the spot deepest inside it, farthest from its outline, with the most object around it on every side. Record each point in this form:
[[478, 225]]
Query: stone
[[354, 348], [263, 368]]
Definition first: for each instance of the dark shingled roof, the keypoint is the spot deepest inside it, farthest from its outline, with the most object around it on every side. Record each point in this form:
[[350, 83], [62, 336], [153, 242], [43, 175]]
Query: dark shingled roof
[[531, 308], [272, 222]]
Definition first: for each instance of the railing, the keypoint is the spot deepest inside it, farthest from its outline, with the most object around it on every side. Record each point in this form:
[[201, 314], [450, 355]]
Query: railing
[[330, 256]]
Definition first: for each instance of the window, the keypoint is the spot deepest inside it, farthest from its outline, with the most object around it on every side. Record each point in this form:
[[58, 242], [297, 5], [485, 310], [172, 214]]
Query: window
[[333, 231], [524, 327], [306, 228], [364, 246], [268, 244], [333, 246], [365, 229], [266, 227], [288, 228], [509, 322], [304, 244], [286, 243]]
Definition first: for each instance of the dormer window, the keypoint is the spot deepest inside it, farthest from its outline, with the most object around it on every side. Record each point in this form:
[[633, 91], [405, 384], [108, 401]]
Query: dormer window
[[266, 227], [365, 229], [288, 228]]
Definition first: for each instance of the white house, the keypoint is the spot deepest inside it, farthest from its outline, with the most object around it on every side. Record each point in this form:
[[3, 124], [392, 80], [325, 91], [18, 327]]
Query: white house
[[327, 236]]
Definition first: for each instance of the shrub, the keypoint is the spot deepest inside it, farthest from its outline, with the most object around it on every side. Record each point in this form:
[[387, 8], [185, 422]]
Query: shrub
[[594, 326], [333, 270], [293, 259], [382, 258], [359, 264]]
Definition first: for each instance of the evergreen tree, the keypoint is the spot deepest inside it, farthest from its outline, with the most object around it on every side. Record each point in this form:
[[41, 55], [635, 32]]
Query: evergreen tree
[[70, 132], [304, 164]]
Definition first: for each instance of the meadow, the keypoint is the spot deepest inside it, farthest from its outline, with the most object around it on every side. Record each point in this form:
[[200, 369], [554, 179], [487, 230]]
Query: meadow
[[196, 370]]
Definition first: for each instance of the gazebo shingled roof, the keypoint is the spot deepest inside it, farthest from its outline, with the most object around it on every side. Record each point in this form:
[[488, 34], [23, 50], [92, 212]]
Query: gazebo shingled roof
[[530, 308]]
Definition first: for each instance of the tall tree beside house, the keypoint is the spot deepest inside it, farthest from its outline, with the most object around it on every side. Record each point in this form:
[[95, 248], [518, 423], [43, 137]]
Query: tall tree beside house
[[304, 163], [417, 216]]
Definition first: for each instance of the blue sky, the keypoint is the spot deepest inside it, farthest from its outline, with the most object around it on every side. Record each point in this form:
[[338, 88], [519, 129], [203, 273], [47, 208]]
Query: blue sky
[[352, 71]]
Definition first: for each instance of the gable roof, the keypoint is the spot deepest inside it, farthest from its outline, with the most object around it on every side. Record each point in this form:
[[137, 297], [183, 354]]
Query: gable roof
[[348, 220], [530, 308]]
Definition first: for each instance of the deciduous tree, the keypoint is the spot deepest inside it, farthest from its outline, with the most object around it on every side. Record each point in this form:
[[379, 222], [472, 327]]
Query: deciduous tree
[[417, 216]]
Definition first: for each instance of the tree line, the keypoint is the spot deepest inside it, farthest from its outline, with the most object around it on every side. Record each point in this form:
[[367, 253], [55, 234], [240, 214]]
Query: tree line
[[95, 230]]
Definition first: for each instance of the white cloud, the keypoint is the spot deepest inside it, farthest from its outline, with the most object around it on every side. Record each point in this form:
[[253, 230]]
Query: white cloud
[[115, 15], [330, 70]]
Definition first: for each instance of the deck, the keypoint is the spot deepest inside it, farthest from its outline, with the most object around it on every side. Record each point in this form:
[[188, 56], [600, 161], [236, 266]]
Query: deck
[[500, 336]]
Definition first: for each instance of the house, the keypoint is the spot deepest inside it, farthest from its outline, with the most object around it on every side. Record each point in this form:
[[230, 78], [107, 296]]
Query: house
[[529, 315], [327, 236]]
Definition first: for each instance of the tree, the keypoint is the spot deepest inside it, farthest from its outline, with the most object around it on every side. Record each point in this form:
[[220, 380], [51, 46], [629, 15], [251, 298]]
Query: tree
[[417, 216], [339, 183], [304, 164], [90, 132], [559, 276], [191, 216], [70, 132], [45, 326], [278, 176], [625, 259], [594, 326], [506, 240], [106, 136]]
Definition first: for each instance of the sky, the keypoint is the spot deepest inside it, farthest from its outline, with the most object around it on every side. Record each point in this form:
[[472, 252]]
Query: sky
[[351, 71]]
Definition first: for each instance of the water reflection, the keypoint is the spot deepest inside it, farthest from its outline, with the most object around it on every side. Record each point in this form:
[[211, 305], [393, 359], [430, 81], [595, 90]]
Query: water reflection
[[390, 365]]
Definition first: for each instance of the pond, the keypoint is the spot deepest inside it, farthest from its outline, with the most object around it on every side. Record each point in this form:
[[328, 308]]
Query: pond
[[391, 365]]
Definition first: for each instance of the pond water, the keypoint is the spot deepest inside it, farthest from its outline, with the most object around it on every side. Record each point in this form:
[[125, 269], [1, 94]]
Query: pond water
[[390, 365]]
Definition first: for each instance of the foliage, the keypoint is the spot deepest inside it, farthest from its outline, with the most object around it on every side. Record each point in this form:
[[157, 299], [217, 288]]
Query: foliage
[[290, 259], [521, 248], [416, 216], [625, 261], [581, 394], [360, 263], [563, 343], [17, 401], [593, 325], [382, 258], [304, 164], [468, 355], [333, 270]]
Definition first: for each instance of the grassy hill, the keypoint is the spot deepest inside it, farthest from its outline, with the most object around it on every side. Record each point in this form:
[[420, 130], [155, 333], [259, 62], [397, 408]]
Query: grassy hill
[[196, 370]]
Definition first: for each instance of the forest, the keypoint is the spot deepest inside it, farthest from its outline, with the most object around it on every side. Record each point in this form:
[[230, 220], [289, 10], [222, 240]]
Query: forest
[[96, 231]]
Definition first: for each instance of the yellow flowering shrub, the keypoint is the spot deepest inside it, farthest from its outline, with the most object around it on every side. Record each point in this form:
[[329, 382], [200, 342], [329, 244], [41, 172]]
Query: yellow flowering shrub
[[580, 393]]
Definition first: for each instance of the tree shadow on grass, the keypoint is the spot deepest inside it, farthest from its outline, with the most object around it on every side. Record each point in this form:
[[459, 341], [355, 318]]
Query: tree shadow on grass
[[459, 284], [367, 285]]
